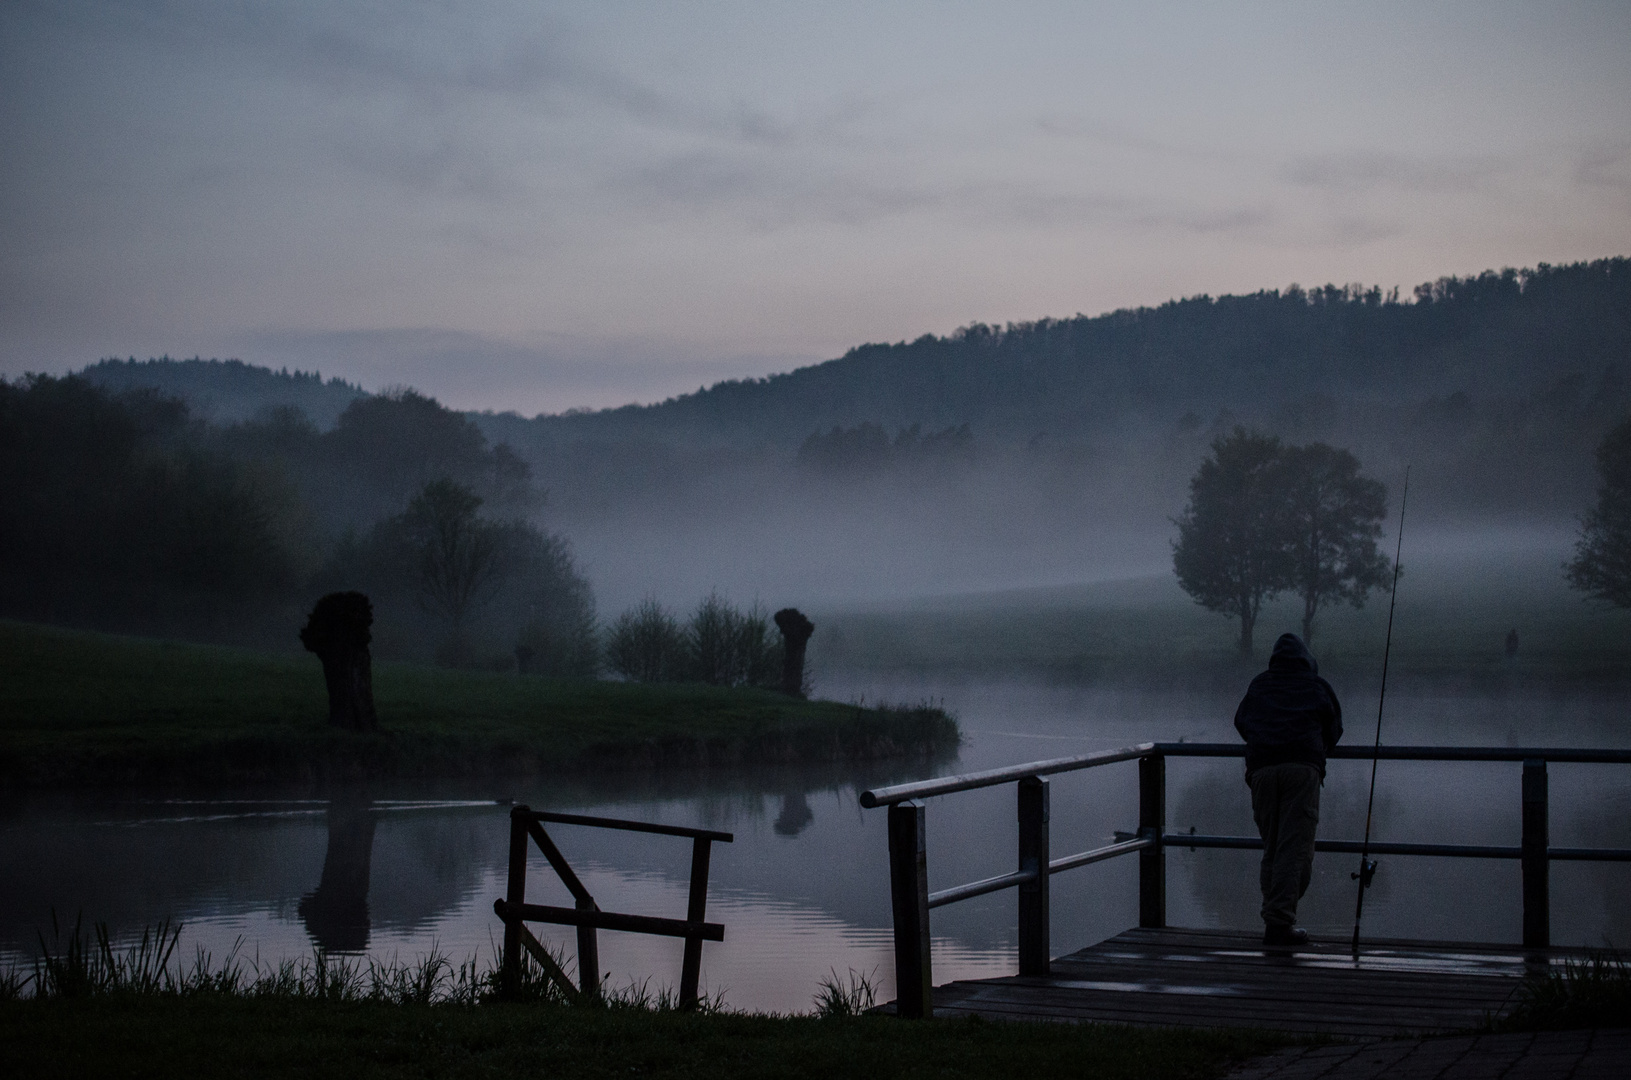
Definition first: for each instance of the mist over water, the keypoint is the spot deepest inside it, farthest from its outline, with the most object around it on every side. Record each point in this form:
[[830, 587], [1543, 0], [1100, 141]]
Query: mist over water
[[804, 888]]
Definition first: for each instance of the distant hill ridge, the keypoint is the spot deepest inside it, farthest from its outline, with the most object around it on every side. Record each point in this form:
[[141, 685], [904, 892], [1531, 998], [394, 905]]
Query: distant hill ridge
[[1515, 333], [1509, 332], [229, 390]]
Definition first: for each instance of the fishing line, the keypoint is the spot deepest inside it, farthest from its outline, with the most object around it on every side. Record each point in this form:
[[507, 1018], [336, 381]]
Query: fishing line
[[1367, 865]]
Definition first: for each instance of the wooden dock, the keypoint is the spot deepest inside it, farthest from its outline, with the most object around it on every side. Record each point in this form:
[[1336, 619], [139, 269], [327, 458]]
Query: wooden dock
[[1218, 978]]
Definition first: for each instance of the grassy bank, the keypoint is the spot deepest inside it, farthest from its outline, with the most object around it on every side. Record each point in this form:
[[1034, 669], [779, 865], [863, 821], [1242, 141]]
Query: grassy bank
[[89, 1009], [95, 708], [214, 1036]]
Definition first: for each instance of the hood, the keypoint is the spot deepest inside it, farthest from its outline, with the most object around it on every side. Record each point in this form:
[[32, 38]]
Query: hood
[[1290, 654]]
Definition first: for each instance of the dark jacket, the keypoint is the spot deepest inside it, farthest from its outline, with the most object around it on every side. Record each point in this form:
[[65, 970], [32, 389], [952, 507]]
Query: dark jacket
[[1289, 713]]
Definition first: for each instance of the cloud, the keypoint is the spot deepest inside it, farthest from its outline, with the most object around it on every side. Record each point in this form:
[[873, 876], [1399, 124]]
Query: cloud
[[1356, 171], [1098, 132], [1355, 231], [1608, 166]]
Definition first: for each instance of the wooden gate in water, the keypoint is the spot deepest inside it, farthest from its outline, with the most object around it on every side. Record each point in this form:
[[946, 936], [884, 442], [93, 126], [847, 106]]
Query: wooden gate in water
[[526, 825]]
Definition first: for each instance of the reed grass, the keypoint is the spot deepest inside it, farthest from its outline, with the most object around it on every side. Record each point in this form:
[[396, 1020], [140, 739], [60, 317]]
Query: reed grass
[[77, 963], [840, 999], [1594, 992]]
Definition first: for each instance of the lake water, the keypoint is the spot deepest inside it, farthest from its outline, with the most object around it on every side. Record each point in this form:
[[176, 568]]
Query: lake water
[[803, 891]]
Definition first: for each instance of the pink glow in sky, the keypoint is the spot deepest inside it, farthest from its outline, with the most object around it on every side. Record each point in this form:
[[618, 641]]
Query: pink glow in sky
[[540, 206]]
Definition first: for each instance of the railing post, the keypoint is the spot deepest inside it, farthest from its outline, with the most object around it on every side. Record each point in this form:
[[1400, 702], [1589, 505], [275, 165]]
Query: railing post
[[588, 954], [909, 896], [1537, 903], [1152, 822], [695, 912], [514, 896], [1034, 957]]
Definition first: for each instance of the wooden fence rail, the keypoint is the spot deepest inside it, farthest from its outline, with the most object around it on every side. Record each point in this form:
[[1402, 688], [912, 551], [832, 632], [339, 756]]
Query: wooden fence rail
[[908, 854], [527, 824]]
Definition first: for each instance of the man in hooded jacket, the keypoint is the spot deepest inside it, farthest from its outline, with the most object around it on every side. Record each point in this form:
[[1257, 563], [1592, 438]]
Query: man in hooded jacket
[[1290, 718]]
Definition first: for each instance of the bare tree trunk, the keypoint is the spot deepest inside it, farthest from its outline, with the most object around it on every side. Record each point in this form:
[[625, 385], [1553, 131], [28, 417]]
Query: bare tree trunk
[[338, 632], [1248, 622], [796, 631], [1310, 606]]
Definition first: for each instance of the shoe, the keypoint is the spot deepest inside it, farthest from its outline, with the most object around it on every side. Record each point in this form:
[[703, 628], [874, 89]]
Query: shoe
[[1280, 934]]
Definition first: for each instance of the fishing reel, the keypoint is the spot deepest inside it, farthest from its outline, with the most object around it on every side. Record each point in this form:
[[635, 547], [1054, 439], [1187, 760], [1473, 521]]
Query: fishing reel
[[1366, 871]]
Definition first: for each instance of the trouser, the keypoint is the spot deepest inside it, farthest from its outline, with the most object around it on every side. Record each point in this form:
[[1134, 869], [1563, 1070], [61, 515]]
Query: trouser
[[1286, 804]]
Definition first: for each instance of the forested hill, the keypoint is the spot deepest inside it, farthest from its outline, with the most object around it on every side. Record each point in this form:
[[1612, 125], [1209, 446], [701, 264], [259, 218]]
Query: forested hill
[[229, 390], [1513, 334]]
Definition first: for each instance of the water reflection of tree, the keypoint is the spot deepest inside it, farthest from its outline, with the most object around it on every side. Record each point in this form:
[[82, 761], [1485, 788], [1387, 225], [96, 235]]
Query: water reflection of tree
[[336, 913]]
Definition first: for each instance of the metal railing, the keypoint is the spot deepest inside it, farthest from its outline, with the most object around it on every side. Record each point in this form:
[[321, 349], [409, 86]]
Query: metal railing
[[911, 899]]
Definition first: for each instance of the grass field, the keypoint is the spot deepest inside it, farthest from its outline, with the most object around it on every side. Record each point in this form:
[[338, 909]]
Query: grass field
[[1454, 611], [219, 1036], [83, 707]]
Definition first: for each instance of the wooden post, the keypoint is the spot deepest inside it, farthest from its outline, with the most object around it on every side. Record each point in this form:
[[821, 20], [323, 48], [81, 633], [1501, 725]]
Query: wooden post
[[1152, 822], [909, 896], [514, 896], [1537, 903], [1034, 957], [691, 966], [588, 954]]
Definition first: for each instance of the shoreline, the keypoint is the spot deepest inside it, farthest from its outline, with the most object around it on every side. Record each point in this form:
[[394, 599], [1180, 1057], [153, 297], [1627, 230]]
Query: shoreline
[[86, 709]]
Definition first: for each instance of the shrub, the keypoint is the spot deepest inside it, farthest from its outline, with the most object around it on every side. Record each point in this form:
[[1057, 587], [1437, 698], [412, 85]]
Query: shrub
[[727, 647], [645, 644]]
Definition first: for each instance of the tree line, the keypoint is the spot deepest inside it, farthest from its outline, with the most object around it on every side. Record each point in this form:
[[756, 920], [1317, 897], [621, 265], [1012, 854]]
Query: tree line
[[121, 510]]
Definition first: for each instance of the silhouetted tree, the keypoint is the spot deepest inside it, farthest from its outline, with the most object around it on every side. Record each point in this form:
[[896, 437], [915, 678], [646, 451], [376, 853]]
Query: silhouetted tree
[[111, 513], [458, 558], [553, 604], [1333, 521], [1231, 554], [1601, 567]]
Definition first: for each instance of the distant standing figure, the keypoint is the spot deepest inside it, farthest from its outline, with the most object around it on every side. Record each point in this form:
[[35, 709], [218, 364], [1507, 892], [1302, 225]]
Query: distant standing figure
[[1290, 719], [1512, 643]]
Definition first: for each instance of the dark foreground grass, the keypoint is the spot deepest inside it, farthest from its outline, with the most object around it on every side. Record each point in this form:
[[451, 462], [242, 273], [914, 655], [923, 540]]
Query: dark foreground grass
[[206, 1035], [90, 1009], [1591, 993], [95, 708]]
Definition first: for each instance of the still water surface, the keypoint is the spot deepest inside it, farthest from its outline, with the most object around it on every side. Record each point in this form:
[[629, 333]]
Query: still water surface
[[803, 891]]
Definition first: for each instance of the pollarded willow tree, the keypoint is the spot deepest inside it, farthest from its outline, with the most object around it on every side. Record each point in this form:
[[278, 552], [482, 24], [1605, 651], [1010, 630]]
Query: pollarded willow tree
[[1601, 567], [1231, 554]]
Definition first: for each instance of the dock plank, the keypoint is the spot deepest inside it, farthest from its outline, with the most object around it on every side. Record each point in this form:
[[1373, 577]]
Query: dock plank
[[1219, 978]]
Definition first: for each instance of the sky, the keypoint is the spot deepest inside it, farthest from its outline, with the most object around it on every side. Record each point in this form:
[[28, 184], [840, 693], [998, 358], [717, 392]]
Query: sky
[[542, 206]]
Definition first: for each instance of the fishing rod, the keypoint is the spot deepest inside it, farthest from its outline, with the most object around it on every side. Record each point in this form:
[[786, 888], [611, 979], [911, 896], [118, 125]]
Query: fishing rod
[[1367, 865]]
